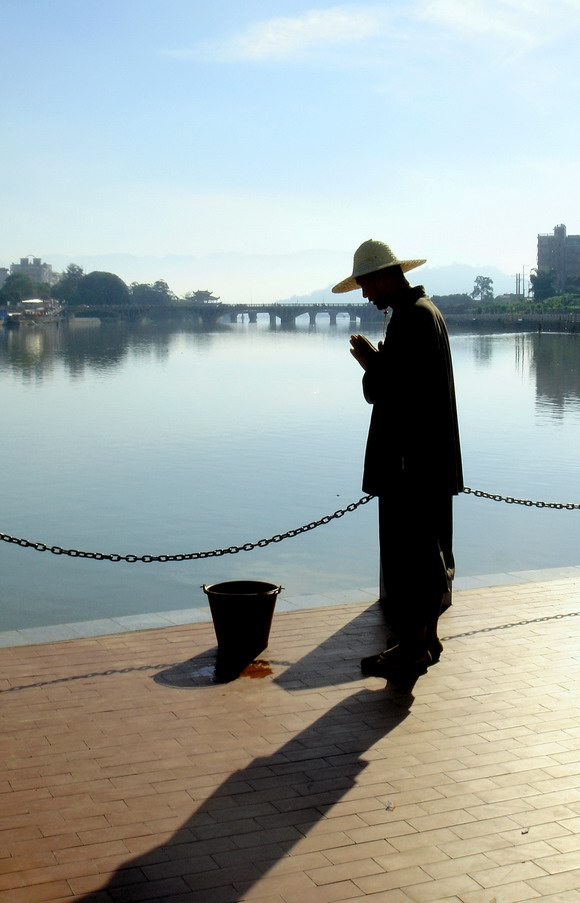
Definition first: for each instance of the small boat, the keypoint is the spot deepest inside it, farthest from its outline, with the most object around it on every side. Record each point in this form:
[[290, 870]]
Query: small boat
[[37, 311]]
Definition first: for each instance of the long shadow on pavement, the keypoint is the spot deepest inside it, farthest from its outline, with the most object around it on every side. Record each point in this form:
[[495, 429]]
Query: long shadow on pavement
[[258, 815]]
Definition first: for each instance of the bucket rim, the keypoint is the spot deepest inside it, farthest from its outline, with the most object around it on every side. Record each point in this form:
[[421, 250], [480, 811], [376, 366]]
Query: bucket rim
[[263, 588]]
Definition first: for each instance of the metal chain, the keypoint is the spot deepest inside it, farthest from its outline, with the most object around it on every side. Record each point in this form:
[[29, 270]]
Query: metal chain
[[261, 543], [458, 636], [511, 501], [188, 556]]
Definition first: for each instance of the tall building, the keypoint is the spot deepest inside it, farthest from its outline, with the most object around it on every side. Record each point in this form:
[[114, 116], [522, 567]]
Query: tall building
[[36, 269], [561, 253]]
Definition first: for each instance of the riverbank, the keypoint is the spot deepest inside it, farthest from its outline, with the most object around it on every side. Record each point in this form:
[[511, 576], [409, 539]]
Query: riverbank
[[285, 603], [550, 321]]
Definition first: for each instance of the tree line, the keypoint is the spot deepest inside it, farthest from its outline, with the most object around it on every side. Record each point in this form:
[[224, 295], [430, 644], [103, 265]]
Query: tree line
[[544, 289], [77, 289], [543, 292]]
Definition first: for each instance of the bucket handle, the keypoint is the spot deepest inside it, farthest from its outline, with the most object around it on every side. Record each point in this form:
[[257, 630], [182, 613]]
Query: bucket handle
[[203, 586]]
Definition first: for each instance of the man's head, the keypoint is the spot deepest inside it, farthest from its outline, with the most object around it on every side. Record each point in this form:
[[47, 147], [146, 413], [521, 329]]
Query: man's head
[[383, 287], [373, 258]]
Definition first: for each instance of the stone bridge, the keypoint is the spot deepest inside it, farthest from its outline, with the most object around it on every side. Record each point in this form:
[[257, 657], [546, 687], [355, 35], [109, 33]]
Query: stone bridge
[[284, 314]]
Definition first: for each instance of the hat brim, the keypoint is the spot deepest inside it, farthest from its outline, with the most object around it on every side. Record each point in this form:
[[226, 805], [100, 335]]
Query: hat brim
[[350, 284]]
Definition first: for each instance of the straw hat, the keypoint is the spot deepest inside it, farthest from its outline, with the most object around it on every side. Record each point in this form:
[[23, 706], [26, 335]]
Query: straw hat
[[370, 257]]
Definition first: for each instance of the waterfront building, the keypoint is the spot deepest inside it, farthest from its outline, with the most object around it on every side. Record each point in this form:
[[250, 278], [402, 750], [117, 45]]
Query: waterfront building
[[559, 252], [35, 269]]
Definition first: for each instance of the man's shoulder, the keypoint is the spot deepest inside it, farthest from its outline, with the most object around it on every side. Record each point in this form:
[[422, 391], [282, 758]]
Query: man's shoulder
[[419, 312], [427, 321], [424, 301], [423, 308]]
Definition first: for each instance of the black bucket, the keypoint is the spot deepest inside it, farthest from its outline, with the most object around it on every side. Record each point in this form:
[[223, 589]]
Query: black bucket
[[242, 612]]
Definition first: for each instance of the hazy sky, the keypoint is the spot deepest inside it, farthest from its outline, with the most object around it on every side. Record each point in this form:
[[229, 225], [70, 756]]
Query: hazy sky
[[279, 135]]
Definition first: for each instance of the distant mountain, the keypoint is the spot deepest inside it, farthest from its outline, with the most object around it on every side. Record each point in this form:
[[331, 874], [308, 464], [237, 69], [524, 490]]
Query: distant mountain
[[457, 278]]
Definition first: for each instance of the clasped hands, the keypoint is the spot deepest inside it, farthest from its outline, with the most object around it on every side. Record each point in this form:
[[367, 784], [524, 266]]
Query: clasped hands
[[362, 350]]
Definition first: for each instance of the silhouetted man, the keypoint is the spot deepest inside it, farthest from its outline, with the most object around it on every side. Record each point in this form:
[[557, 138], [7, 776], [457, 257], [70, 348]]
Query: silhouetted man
[[412, 459]]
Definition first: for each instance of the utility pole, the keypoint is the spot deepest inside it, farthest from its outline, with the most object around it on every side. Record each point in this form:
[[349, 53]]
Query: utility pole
[[526, 293]]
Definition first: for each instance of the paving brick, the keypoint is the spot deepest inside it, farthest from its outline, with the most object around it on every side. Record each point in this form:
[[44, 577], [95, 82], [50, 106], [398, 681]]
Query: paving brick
[[564, 844], [559, 883], [419, 839], [562, 862], [457, 886], [464, 865], [387, 896], [328, 893], [344, 871], [373, 849], [398, 878], [507, 874], [516, 892], [329, 841], [40, 893]]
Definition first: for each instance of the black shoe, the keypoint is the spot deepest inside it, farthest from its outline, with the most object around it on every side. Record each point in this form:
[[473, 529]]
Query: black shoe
[[435, 649]]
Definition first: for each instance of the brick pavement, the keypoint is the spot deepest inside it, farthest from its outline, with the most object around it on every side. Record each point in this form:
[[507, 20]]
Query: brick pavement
[[127, 775]]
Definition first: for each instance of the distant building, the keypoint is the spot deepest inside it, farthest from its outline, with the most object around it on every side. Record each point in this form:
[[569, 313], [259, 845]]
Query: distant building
[[561, 253], [3, 275], [36, 269]]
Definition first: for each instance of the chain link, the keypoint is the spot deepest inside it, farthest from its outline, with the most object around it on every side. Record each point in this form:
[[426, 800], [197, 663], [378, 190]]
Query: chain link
[[509, 500], [188, 556], [261, 543], [458, 636]]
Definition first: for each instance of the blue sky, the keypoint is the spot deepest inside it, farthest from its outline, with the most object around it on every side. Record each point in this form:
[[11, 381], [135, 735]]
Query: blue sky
[[250, 147]]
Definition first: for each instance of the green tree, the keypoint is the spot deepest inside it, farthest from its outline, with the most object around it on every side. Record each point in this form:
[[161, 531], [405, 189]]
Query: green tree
[[100, 288], [65, 290], [483, 288], [543, 284], [144, 294], [19, 287]]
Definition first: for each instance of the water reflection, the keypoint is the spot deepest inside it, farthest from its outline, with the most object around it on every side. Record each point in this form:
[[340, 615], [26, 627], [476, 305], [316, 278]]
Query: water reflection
[[483, 346], [83, 346], [550, 360], [31, 352], [556, 362]]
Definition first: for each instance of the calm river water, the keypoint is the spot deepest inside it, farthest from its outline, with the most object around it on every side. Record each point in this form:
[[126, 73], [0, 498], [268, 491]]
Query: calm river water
[[163, 439]]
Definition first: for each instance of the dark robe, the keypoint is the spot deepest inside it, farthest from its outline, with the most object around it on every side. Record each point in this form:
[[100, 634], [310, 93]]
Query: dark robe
[[413, 458]]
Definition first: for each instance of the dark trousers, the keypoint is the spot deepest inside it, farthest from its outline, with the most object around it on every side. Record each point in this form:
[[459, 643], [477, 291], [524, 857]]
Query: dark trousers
[[417, 566]]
